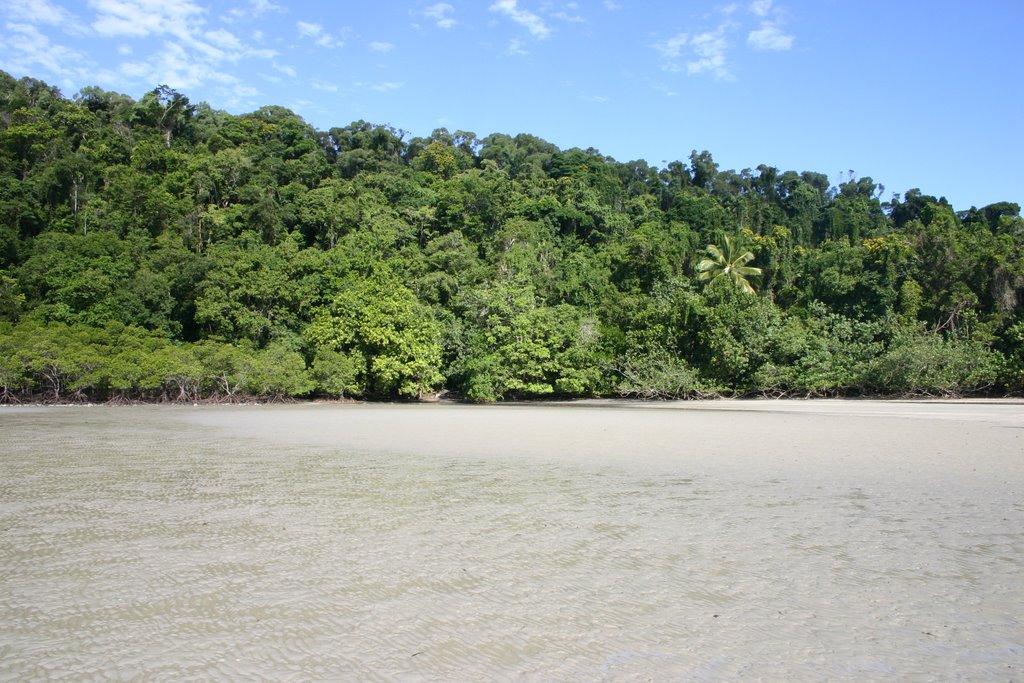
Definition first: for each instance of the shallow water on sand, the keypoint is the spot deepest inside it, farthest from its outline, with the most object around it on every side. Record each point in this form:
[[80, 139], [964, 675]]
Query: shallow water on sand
[[347, 542]]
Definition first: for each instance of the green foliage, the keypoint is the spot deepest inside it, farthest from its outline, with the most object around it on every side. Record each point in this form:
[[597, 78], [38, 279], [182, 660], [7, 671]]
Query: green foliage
[[1013, 343], [384, 334], [521, 348], [160, 250], [280, 372], [820, 353], [931, 364], [737, 335]]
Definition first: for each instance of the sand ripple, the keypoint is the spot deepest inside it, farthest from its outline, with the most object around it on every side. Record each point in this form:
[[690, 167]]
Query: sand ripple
[[134, 550]]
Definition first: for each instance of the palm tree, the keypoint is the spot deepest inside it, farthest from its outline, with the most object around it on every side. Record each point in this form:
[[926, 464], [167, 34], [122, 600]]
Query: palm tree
[[728, 262]]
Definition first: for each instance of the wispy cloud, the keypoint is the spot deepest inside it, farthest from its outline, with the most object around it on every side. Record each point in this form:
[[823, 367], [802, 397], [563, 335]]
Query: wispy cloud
[[440, 14], [661, 87], [253, 9], [570, 13], [288, 71], [769, 34], [191, 54], [381, 47], [158, 42], [570, 18], [611, 5], [317, 34], [769, 37], [42, 12], [180, 68], [224, 40], [262, 6], [761, 8], [384, 86], [697, 53], [141, 18], [525, 18], [177, 67], [24, 49], [707, 52], [182, 22], [672, 49], [710, 48], [516, 49]]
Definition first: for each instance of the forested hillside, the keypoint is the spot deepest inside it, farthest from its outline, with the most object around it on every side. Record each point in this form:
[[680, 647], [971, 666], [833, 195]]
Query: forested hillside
[[161, 250]]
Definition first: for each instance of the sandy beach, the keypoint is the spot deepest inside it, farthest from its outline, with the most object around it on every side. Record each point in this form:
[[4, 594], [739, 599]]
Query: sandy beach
[[599, 540]]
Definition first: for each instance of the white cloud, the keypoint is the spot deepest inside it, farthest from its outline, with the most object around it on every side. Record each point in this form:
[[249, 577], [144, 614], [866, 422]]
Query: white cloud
[[571, 18], [611, 5], [440, 14], [252, 10], [225, 40], [596, 99], [24, 49], [176, 46], [285, 69], [699, 53], [135, 70], [260, 54], [672, 48], [177, 67], [769, 37], [145, 17], [386, 86], [326, 87], [41, 12], [381, 47], [708, 51], [710, 48], [525, 18], [569, 14], [317, 33], [261, 6]]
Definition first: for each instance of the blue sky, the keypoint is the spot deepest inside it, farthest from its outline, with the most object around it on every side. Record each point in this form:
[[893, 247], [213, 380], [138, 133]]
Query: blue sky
[[913, 94]]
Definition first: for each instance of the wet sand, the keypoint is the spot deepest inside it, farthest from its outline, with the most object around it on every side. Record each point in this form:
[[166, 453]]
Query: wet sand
[[767, 540]]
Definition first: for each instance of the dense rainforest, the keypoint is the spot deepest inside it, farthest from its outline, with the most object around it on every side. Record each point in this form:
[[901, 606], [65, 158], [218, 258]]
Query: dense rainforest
[[156, 249]]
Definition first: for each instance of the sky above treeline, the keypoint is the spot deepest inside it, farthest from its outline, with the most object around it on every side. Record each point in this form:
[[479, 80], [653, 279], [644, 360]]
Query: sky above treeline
[[913, 94]]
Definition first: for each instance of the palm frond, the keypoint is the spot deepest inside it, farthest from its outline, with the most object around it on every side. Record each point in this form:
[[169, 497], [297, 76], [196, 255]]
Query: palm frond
[[728, 261], [743, 259]]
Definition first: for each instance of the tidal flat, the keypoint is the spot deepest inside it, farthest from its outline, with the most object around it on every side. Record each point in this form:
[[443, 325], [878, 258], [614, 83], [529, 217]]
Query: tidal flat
[[698, 541]]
